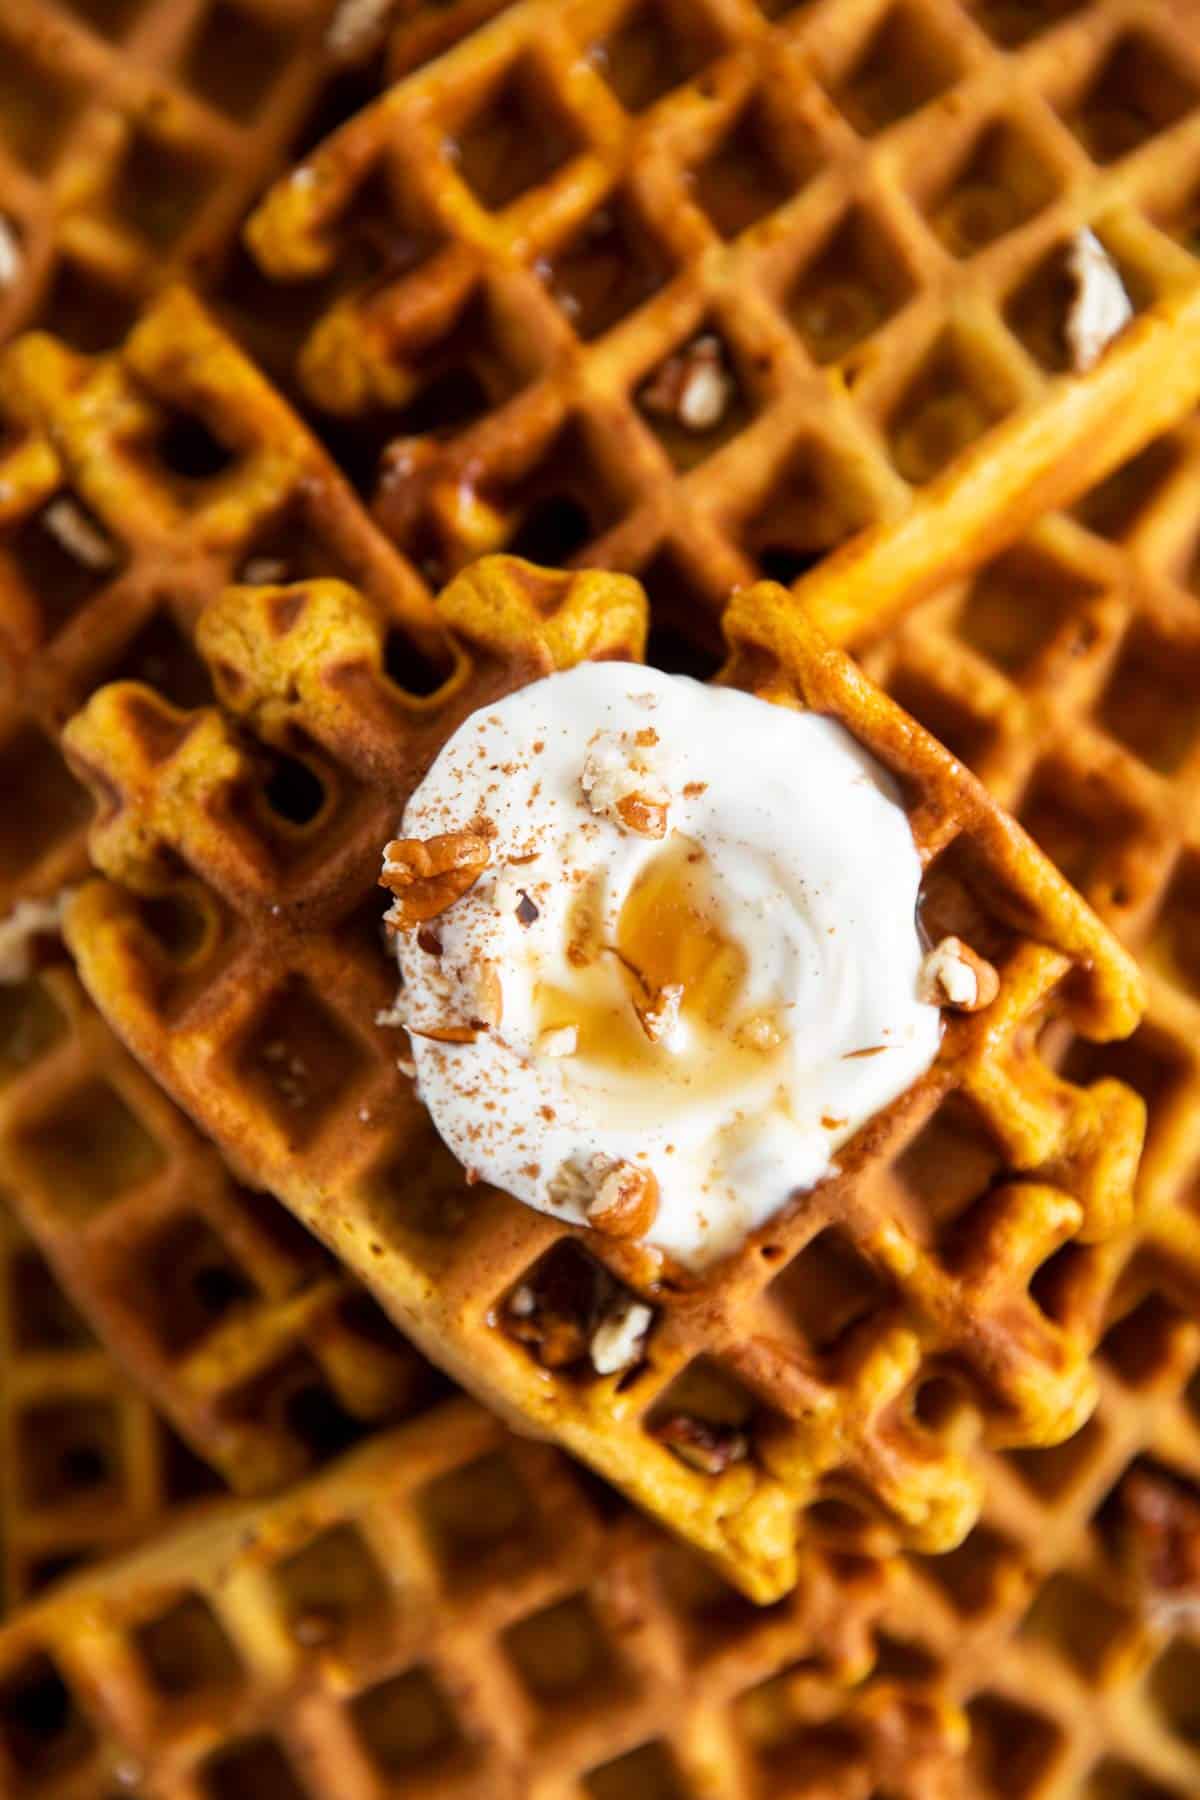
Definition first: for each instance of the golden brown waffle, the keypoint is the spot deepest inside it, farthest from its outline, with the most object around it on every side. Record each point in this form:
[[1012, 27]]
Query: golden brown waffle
[[1065, 673], [863, 208], [235, 1322], [857, 1341], [133, 135], [86, 1468], [454, 1611], [250, 1340]]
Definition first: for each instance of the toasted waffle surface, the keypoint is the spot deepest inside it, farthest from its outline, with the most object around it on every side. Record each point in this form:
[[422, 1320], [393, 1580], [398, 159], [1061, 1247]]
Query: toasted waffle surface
[[941, 1275], [250, 1339], [1064, 673], [456, 1611], [86, 1468], [711, 290], [133, 135]]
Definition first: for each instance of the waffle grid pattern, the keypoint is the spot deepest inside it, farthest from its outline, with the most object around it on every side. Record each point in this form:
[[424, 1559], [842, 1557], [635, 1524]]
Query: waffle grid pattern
[[520, 1642], [173, 785], [88, 1469], [501, 255], [133, 135], [256, 1347]]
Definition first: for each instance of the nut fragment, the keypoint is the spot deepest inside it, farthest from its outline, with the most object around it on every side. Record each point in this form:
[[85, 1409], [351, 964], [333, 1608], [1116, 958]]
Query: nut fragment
[[1100, 308], [618, 1339], [67, 522], [263, 571], [953, 975], [625, 1203], [357, 26], [619, 783], [559, 1040], [11, 259], [702, 1445], [427, 875], [29, 919], [1161, 1528], [693, 387], [660, 1019]]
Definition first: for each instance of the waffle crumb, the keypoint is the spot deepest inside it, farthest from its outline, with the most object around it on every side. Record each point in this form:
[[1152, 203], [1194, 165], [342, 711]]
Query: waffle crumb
[[66, 521], [619, 783], [11, 260], [1100, 308], [29, 919], [619, 1339], [953, 975]]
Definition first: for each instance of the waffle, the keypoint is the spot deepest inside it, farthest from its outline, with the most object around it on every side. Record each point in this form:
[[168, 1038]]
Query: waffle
[[237, 1325], [132, 138], [86, 1467], [860, 212], [278, 1052], [249, 1339], [1064, 673], [452, 1612]]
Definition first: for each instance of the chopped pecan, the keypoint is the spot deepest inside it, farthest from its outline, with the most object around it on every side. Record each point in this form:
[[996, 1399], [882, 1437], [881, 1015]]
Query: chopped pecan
[[693, 387], [648, 817], [625, 1202], [427, 875], [1161, 1541], [953, 975], [660, 1018], [620, 784], [620, 1337], [703, 1445]]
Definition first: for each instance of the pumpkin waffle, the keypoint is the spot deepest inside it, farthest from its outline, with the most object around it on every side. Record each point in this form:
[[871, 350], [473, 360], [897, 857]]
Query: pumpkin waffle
[[133, 135], [237, 1324], [455, 1611], [938, 1262], [86, 1467], [1065, 673], [708, 292], [246, 1335]]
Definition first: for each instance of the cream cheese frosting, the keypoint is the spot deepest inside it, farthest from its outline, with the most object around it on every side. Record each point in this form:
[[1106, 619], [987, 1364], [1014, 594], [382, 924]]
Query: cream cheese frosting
[[691, 967]]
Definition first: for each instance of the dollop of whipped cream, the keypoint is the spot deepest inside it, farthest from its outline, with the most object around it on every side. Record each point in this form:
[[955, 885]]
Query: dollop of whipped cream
[[690, 970]]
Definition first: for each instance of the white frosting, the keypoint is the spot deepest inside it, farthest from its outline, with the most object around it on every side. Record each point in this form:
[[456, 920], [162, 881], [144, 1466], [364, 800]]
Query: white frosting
[[800, 952]]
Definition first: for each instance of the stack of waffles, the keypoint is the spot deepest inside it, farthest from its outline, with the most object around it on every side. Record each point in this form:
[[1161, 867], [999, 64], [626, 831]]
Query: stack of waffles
[[362, 364]]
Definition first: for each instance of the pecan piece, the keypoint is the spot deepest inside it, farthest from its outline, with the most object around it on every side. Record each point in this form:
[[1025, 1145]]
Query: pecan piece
[[703, 1445], [954, 975], [692, 387], [427, 875], [625, 1202], [1161, 1542]]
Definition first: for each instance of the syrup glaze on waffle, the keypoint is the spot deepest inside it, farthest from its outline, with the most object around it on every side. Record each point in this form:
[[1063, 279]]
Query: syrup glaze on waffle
[[861, 209], [291, 952], [455, 1611], [263, 1355]]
